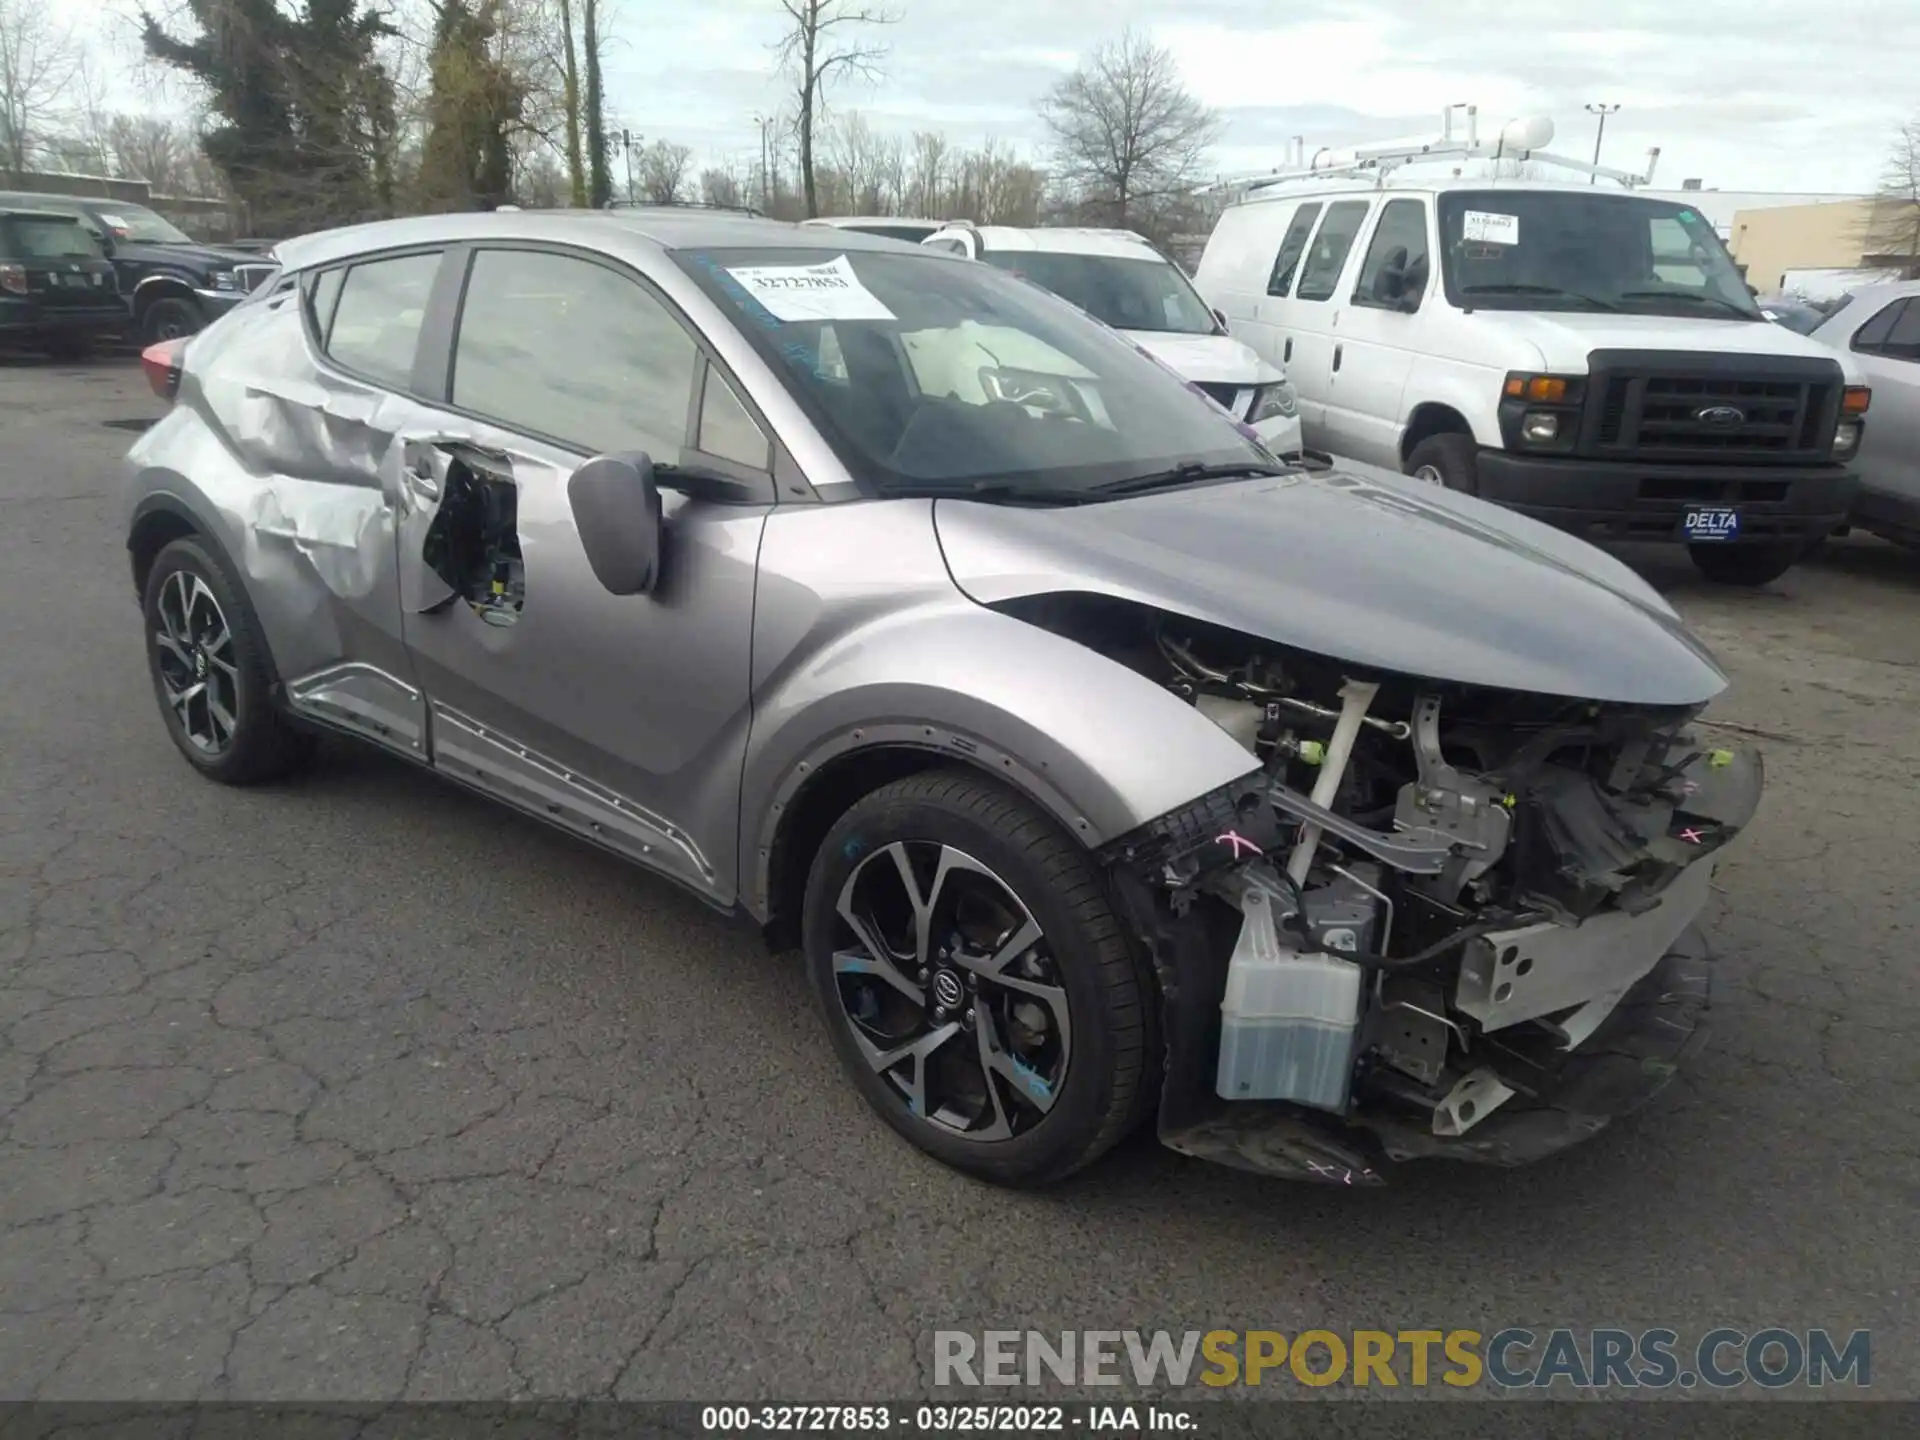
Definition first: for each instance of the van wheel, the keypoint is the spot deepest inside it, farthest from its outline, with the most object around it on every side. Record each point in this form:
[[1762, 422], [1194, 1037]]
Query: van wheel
[[1449, 460], [1745, 564], [979, 988]]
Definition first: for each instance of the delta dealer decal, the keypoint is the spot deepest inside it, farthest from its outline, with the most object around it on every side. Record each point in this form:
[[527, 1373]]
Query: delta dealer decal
[[827, 291]]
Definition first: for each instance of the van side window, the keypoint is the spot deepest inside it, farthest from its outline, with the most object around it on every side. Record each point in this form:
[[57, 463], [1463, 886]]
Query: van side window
[[1400, 239], [1327, 256], [1292, 246]]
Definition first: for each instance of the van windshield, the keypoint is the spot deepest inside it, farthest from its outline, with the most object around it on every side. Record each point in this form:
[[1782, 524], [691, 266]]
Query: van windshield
[[929, 375], [1145, 294], [1566, 250]]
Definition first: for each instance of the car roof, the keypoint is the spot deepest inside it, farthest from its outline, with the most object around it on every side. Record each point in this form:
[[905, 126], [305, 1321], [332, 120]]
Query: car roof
[[664, 229], [1065, 240], [846, 222], [1399, 183]]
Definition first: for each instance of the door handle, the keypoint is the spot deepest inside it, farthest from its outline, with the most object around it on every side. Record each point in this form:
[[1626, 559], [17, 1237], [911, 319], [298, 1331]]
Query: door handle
[[1287, 353], [1338, 351]]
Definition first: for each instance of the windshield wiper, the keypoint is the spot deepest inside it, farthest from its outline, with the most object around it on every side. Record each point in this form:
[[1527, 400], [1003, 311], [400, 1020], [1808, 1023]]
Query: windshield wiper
[[1191, 473], [993, 490], [1702, 296], [1517, 288]]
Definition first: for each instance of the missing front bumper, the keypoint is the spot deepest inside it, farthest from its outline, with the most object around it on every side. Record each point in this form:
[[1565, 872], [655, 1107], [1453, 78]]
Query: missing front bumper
[[1623, 1064]]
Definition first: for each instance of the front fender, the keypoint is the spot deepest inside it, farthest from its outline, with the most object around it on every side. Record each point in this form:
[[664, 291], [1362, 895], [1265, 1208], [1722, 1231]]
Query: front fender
[[1100, 746]]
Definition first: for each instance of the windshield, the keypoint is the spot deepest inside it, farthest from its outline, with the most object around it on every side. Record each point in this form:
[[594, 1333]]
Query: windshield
[[130, 222], [33, 238], [930, 375], [1564, 250], [1128, 294]]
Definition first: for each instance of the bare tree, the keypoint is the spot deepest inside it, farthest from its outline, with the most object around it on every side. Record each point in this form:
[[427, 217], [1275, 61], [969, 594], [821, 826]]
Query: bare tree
[[927, 175], [818, 51], [1126, 132], [720, 187], [1890, 234], [39, 59], [664, 171]]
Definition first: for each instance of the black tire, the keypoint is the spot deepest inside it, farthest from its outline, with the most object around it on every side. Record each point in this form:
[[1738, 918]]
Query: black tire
[[1454, 458], [263, 743], [169, 318], [1107, 1088], [1745, 564]]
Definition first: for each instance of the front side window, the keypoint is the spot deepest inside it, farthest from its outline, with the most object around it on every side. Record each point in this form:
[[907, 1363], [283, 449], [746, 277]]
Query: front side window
[[930, 378], [1570, 250], [377, 316], [1395, 274], [1292, 246], [1128, 293], [563, 346], [1894, 331], [1327, 256]]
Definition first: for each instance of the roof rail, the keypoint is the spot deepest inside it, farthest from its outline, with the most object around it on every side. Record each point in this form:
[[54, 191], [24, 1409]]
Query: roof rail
[[681, 205], [1520, 140]]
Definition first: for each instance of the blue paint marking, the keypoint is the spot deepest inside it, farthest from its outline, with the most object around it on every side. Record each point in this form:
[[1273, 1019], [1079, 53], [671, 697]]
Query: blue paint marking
[[1036, 1083], [854, 848], [855, 966]]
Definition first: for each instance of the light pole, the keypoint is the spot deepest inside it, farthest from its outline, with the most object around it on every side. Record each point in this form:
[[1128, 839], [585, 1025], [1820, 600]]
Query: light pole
[[1603, 111]]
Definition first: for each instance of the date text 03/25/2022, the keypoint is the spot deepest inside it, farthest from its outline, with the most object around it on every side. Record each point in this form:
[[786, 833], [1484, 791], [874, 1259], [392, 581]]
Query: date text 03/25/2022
[[961, 1419]]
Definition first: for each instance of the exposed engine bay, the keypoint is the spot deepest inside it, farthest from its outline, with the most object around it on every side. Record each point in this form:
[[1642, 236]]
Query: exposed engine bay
[[1430, 896]]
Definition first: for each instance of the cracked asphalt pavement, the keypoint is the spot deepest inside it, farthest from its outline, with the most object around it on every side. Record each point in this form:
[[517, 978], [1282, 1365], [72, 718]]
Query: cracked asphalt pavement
[[360, 1088]]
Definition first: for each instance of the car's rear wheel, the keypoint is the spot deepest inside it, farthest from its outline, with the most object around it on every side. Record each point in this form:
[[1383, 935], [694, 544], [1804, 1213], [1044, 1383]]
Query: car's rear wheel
[[979, 988], [1450, 461], [211, 670], [1745, 564], [169, 319]]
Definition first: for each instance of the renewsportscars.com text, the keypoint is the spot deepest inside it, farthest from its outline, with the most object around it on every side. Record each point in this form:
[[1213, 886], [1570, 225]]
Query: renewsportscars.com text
[[1771, 1357]]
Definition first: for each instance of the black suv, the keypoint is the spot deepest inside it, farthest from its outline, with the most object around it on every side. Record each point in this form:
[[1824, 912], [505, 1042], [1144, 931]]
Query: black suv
[[172, 284], [57, 288]]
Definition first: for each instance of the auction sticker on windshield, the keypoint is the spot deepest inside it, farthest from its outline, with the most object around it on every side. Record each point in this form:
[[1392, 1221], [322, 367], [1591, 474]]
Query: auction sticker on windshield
[[1490, 228], [828, 291]]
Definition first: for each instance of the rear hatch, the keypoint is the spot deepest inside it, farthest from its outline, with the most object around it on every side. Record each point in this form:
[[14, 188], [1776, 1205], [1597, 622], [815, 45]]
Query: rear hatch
[[56, 261]]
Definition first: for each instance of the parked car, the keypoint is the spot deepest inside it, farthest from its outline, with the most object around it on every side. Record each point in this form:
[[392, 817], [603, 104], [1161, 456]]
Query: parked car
[[893, 227], [1879, 328], [57, 289], [1119, 278], [1586, 354], [1103, 769], [173, 285], [1802, 317]]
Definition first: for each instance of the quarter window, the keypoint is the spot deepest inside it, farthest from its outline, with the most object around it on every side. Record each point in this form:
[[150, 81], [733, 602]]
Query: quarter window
[[726, 429], [1399, 238], [1292, 246], [376, 321], [562, 346], [1327, 256]]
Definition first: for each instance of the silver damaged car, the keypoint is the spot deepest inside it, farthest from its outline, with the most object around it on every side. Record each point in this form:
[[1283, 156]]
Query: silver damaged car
[[1106, 771]]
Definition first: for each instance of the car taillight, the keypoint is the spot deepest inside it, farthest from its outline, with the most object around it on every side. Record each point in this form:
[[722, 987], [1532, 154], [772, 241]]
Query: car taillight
[[161, 364], [13, 279]]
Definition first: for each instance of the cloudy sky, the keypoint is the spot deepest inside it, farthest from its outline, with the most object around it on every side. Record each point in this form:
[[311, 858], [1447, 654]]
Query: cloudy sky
[[1745, 94]]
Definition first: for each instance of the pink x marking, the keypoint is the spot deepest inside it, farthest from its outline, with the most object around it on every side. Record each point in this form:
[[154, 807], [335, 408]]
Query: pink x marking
[[1691, 836], [1233, 840], [1688, 787]]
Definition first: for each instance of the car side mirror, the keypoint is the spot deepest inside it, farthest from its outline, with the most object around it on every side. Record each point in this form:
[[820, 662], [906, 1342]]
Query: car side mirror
[[1390, 281], [616, 509], [106, 243], [1221, 317]]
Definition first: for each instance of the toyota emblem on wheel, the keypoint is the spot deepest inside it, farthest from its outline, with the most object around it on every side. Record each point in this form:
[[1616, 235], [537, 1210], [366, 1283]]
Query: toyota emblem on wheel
[[1721, 417]]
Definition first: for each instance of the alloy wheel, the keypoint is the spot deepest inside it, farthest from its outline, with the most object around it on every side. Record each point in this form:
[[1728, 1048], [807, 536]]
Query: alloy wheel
[[198, 670], [1430, 475], [951, 990]]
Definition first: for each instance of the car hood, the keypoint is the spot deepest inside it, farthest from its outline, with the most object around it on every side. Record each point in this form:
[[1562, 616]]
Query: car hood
[[1357, 565], [1206, 359], [184, 257], [1563, 339]]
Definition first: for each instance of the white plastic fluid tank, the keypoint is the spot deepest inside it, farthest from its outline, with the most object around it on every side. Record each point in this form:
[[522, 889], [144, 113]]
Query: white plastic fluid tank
[[1288, 1021]]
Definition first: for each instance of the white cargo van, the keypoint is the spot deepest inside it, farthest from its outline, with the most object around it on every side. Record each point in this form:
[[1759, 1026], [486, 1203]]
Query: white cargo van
[[1581, 352]]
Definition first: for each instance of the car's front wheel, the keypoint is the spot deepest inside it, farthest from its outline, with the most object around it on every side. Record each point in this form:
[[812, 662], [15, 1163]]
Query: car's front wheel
[[211, 670], [978, 985], [1745, 564], [170, 319], [1450, 461]]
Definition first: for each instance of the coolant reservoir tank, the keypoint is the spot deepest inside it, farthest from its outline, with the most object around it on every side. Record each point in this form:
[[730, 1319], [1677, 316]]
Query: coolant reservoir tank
[[1289, 1021]]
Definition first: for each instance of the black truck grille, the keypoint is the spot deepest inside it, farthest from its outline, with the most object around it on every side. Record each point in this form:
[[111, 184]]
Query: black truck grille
[[1709, 408], [1226, 395]]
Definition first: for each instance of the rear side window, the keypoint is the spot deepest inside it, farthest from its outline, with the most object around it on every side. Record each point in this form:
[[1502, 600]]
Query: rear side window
[[563, 346], [1895, 331], [1327, 256], [377, 318], [1292, 246]]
